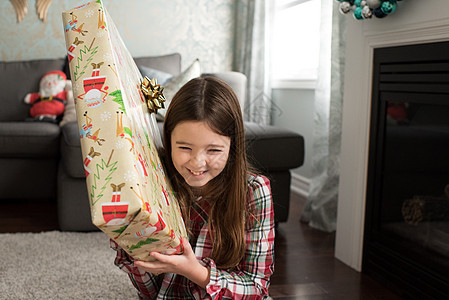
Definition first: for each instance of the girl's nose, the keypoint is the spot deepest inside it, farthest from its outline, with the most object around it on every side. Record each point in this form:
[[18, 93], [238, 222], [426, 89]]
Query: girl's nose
[[198, 159]]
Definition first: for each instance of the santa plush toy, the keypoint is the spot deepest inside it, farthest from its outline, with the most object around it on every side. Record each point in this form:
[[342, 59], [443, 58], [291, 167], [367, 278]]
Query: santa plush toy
[[54, 92]]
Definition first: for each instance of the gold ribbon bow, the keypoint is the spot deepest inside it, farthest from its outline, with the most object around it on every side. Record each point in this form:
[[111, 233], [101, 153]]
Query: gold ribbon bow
[[153, 94]]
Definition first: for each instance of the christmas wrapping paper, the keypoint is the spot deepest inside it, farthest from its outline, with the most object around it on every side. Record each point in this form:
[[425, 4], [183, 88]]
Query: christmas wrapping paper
[[130, 196]]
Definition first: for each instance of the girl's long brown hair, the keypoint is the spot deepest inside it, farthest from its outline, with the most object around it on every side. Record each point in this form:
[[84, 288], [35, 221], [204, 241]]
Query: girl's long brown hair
[[211, 100]]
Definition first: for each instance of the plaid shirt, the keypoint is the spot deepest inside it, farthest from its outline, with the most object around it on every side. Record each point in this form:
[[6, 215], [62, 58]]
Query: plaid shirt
[[251, 278]]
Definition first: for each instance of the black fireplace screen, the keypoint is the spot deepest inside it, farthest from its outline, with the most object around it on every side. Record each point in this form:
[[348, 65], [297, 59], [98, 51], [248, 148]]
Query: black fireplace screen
[[407, 202], [414, 183]]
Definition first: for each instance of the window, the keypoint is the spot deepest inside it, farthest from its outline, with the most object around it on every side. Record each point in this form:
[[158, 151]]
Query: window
[[295, 41]]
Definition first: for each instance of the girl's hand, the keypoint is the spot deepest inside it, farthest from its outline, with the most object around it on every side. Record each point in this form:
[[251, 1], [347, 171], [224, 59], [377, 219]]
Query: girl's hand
[[185, 265]]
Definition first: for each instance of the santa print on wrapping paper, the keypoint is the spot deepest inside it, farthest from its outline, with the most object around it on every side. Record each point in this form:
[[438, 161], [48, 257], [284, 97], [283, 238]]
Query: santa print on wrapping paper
[[114, 212], [94, 95], [88, 159], [70, 52], [152, 228]]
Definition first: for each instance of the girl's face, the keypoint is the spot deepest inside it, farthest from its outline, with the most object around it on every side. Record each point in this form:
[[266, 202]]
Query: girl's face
[[198, 153]]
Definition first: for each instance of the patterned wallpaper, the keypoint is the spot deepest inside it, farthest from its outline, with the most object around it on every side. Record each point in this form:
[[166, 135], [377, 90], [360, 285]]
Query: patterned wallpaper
[[201, 29]]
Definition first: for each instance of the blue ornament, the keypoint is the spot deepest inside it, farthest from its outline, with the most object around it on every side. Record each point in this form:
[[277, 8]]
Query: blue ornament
[[365, 9], [358, 13], [388, 7]]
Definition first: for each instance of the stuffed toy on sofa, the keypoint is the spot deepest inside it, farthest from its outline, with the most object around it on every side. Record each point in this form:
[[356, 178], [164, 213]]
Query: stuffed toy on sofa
[[54, 91]]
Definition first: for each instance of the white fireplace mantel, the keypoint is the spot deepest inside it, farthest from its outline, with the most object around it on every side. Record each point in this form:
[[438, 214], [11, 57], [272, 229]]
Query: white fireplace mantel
[[414, 22]]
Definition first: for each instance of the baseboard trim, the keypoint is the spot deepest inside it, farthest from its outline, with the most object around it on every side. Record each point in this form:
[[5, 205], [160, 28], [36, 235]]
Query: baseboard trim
[[300, 185]]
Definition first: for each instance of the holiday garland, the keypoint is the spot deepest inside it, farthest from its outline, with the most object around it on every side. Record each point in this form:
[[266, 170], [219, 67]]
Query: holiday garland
[[365, 9]]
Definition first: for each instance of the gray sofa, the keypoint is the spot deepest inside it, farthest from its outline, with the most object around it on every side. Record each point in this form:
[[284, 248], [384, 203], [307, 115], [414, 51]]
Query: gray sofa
[[29, 151], [43, 161]]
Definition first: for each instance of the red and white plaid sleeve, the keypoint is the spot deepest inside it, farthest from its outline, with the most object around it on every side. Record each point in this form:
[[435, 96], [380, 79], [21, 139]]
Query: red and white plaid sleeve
[[145, 283], [252, 279]]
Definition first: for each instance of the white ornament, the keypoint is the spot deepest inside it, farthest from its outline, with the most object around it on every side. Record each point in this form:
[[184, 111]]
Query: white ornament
[[366, 12], [345, 7]]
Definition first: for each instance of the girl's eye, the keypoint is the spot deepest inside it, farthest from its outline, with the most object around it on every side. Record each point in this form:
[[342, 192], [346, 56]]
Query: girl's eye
[[184, 148], [215, 150]]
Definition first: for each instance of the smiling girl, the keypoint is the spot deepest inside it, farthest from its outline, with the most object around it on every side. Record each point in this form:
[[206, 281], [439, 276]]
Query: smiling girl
[[227, 209]]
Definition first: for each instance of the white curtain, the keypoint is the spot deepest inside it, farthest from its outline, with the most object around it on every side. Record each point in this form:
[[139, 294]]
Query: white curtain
[[320, 210], [251, 54]]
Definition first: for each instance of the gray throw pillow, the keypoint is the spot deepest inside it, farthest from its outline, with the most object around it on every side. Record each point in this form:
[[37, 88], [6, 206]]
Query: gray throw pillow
[[161, 77], [172, 87]]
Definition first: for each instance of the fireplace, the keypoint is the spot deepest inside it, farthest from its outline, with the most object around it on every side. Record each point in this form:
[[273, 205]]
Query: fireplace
[[406, 238]]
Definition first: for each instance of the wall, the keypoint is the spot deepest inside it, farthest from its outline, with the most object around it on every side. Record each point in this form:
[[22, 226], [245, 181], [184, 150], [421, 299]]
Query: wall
[[414, 22], [293, 110], [197, 29]]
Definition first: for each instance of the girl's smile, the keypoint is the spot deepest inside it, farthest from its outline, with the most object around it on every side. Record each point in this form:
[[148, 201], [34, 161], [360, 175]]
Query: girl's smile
[[199, 154]]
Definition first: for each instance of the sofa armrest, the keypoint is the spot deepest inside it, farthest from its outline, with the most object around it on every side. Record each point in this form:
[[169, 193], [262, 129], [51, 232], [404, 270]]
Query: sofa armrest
[[273, 148], [71, 157], [237, 81]]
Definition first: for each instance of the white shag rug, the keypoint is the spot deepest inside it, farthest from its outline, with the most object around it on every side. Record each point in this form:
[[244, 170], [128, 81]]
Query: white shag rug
[[60, 265]]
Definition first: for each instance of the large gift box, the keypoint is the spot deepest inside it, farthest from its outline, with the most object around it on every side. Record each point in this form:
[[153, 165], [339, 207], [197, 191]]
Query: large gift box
[[130, 196]]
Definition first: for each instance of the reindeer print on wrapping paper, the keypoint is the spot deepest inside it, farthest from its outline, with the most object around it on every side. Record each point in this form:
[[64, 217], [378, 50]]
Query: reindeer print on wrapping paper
[[72, 25], [122, 131], [86, 131]]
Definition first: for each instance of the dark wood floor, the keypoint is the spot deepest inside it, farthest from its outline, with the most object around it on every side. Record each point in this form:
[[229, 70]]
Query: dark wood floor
[[305, 266], [307, 269]]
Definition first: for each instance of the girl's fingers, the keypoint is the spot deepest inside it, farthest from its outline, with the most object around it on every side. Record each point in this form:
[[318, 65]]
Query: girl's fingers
[[147, 264], [143, 264], [160, 257]]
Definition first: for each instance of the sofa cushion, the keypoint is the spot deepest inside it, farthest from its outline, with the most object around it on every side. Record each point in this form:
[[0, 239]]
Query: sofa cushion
[[170, 63], [273, 148], [29, 139], [19, 78]]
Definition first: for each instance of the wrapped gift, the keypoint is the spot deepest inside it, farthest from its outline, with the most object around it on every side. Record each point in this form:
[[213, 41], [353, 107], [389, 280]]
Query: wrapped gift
[[130, 196]]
